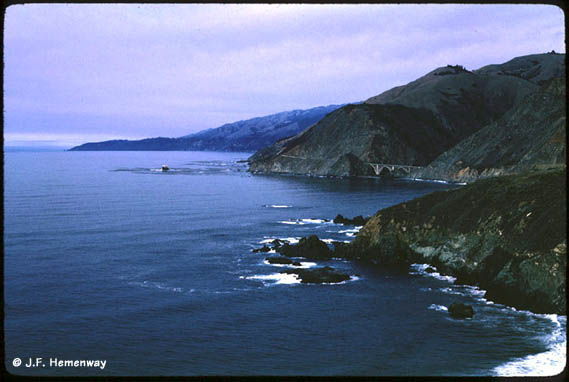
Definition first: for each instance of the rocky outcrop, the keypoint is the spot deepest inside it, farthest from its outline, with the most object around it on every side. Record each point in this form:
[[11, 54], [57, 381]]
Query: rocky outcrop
[[411, 124], [357, 221], [246, 136], [460, 310], [308, 247], [265, 248], [281, 260], [319, 275], [507, 235]]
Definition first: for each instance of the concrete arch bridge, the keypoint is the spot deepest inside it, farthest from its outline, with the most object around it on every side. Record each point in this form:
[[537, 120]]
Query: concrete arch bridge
[[387, 169]]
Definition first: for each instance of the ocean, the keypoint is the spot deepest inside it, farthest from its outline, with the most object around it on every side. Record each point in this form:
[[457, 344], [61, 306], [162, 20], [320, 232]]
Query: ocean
[[107, 258]]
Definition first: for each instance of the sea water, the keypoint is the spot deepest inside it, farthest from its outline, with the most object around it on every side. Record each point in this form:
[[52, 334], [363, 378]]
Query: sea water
[[106, 257]]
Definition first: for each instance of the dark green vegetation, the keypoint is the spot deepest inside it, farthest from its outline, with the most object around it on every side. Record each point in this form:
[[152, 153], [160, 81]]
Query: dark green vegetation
[[249, 135], [463, 124]]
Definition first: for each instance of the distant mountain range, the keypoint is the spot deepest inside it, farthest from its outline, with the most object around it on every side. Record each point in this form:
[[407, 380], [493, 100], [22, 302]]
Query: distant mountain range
[[455, 122], [245, 136]]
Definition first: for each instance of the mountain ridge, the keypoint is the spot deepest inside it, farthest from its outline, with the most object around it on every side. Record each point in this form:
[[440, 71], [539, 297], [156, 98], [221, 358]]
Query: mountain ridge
[[245, 135]]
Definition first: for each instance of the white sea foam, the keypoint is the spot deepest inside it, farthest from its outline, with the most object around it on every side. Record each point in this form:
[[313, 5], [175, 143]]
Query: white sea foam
[[304, 221], [351, 230], [419, 269], [303, 264], [278, 278], [315, 221], [290, 240], [438, 308], [276, 206], [546, 364]]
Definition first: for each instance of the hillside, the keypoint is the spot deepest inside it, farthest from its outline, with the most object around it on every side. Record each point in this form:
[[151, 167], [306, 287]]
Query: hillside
[[246, 136], [411, 124], [530, 135]]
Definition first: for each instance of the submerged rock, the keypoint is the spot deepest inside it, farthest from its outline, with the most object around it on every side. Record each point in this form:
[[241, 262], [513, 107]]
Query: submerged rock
[[280, 260], [263, 249], [276, 243], [460, 311], [319, 275]]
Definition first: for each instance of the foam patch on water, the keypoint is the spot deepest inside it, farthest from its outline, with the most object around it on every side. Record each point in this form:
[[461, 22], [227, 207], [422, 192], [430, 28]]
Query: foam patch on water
[[304, 221], [303, 265], [276, 206], [546, 364], [315, 221], [157, 285], [351, 231], [290, 240], [438, 308], [275, 278], [419, 269]]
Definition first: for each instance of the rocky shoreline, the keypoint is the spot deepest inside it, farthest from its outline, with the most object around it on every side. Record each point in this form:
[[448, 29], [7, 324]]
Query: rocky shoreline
[[506, 235]]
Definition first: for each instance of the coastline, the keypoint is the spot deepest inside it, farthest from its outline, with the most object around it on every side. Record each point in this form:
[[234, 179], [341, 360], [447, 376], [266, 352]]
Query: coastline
[[506, 235]]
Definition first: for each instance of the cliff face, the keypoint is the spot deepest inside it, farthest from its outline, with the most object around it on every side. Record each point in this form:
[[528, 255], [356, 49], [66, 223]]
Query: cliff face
[[530, 135], [248, 135], [505, 234], [415, 123]]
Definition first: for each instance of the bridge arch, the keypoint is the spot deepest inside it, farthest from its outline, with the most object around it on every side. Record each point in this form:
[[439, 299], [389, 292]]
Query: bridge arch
[[384, 171]]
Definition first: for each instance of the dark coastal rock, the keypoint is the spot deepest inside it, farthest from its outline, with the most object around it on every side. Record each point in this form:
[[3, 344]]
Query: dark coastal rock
[[263, 249], [279, 260], [507, 235], [357, 221], [430, 270], [276, 243], [319, 275], [307, 247], [460, 311]]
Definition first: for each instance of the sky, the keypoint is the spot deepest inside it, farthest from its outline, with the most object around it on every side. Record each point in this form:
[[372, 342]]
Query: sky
[[76, 73]]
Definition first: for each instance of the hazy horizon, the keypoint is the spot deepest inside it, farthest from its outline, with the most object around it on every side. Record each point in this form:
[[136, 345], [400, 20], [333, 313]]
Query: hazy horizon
[[77, 73]]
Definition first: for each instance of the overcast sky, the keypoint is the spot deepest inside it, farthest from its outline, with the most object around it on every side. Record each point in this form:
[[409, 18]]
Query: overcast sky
[[87, 72]]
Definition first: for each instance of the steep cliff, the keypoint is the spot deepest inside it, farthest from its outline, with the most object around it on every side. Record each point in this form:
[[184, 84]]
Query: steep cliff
[[506, 234]]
